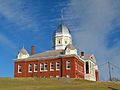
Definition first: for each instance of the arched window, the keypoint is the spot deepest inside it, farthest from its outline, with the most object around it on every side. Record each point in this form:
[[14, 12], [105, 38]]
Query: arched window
[[58, 41], [65, 42]]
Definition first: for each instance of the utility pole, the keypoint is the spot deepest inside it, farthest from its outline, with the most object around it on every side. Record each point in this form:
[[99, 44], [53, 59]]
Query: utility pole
[[110, 77]]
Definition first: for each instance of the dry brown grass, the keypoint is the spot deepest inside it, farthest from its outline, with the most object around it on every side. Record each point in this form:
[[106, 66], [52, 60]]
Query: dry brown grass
[[55, 84]]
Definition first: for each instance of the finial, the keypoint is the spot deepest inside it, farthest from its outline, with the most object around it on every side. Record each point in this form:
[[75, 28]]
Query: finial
[[23, 46]]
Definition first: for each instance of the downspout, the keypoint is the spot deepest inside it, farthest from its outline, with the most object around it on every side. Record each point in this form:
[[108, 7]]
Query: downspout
[[61, 68]]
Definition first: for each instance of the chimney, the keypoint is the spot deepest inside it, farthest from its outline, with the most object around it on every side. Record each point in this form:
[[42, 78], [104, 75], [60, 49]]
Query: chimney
[[32, 50], [82, 54]]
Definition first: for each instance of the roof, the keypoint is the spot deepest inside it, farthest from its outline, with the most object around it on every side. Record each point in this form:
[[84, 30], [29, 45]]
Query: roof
[[63, 29], [23, 51], [70, 46], [89, 57], [86, 56], [50, 53]]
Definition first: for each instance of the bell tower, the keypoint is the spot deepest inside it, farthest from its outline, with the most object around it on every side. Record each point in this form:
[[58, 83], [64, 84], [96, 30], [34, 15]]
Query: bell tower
[[62, 37]]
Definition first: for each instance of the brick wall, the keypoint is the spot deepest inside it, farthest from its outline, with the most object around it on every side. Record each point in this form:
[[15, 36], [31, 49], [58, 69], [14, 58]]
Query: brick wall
[[79, 73]]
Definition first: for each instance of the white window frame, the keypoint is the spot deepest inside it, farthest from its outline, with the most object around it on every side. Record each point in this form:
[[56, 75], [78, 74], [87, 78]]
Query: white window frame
[[57, 63], [45, 67], [19, 67], [35, 65], [51, 66], [29, 67], [68, 64], [41, 66]]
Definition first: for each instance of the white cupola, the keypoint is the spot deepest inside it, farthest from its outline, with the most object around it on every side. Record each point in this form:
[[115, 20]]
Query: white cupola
[[22, 54], [62, 37]]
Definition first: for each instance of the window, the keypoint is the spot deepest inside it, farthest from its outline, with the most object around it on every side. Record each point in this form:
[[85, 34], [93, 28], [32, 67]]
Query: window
[[35, 67], [51, 66], [68, 65], [30, 68], [19, 68], [57, 65], [68, 76], [42, 67], [65, 42], [45, 67], [87, 68], [59, 41]]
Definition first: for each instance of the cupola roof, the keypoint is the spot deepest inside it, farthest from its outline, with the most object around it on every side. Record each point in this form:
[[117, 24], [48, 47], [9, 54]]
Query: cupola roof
[[62, 29], [23, 51]]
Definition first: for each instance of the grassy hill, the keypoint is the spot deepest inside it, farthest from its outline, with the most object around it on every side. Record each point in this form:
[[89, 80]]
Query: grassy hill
[[55, 84]]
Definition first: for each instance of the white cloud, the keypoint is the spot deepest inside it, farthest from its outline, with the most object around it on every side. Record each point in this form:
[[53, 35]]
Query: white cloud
[[13, 12], [95, 19], [6, 42]]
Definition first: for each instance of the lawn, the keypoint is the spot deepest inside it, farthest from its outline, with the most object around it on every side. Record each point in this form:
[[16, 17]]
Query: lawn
[[55, 84]]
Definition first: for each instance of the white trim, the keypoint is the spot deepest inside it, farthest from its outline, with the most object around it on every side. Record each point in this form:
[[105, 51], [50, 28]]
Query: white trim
[[19, 67], [51, 76], [68, 76], [41, 66], [29, 68], [62, 35], [57, 76], [45, 64], [51, 64]]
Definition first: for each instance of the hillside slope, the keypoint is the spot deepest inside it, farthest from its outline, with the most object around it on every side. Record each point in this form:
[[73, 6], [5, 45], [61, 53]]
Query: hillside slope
[[55, 84]]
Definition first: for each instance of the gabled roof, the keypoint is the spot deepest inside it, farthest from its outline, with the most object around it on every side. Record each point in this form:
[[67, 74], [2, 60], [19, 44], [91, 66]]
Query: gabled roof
[[70, 46], [89, 57]]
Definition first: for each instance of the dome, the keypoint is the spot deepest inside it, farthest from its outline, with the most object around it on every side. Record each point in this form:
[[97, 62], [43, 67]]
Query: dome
[[62, 29]]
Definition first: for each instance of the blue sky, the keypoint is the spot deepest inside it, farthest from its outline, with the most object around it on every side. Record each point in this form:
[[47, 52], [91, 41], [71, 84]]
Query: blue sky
[[95, 27]]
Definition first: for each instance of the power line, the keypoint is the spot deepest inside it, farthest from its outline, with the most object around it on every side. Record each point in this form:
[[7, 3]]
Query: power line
[[102, 64], [113, 70], [115, 66]]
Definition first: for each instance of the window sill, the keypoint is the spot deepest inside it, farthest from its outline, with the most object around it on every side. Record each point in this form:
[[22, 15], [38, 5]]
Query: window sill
[[19, 72], [68, 68], [29, 71]]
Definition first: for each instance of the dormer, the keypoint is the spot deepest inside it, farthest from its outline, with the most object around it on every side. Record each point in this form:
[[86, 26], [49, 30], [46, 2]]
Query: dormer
[[70, 49]]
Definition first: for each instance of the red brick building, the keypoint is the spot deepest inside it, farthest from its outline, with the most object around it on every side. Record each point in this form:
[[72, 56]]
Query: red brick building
[[61, 66], [61, 62]]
